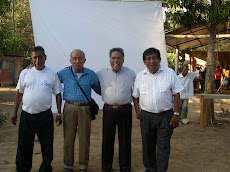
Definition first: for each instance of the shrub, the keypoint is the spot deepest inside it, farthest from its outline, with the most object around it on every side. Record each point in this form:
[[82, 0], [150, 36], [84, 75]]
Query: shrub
[[3, 117]]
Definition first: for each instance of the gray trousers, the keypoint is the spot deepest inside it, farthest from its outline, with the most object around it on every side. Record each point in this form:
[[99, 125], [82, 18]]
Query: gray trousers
[[156, 134], [183, 108]]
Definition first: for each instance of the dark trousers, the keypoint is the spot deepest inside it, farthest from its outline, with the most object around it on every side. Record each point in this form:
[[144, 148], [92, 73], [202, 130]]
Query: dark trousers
[[217, 83], [122, 118], [156, 134], [42, 125]]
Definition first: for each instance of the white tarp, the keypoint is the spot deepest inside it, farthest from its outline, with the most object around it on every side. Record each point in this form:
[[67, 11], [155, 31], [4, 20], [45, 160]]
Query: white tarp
[[95, 27]]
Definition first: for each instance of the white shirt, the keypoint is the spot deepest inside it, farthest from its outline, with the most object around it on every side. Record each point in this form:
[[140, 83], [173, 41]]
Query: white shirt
[[156, 91], [37, 87], [116, 88], [187, 83]]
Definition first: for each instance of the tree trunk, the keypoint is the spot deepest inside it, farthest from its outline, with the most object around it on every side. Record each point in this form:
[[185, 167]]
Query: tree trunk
[[209, 78]]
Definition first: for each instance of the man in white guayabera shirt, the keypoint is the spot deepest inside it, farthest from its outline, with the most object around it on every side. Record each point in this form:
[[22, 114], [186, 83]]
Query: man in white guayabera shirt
[[157, 89], [116, 90], [35, 89]]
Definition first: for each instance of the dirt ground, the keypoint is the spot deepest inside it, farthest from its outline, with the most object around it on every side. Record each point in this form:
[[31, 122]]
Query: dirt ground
[[191, 150]]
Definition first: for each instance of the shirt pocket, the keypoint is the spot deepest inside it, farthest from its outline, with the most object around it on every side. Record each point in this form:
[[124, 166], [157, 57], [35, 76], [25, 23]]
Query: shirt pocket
[[165, 87], [144, 89]]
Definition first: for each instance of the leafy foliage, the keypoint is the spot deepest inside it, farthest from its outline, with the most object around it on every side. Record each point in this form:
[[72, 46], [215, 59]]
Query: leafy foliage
[[223, 113], [3, 117], [4, 7], [16, 35], [189, 13], [171, 60]]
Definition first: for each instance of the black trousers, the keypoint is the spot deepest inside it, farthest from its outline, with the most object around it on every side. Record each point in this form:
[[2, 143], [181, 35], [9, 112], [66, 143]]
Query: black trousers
[[122, 118], [41, 124], [156, 134], [217, 83]]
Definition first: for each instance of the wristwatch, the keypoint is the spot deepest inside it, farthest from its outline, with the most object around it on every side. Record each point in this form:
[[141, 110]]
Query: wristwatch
[[176, 113], [59, 114]]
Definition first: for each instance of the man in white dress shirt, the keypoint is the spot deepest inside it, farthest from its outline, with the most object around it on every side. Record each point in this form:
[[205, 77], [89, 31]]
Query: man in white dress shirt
[[156, 89], [116, 90], [35, 88], [186, 79]]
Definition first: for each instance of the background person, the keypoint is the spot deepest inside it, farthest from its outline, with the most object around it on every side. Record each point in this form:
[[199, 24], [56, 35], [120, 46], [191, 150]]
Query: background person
[[156, 89], [218, 75], [227, 77], [186, 79], [34, 89]]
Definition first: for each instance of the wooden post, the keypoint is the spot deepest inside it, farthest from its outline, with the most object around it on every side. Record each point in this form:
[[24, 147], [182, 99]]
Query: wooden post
[[206, 110], [177, 61], [204, 107], [202, 113]]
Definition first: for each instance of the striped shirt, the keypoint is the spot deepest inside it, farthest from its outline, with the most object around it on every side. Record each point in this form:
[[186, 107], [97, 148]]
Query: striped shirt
[[88, 79]]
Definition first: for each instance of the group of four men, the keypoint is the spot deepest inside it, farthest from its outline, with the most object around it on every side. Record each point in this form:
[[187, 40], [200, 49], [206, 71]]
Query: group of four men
[[156, 89]]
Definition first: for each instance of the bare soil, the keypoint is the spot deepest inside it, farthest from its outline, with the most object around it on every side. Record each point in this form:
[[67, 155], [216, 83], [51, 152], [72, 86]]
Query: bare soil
[[191, 150]]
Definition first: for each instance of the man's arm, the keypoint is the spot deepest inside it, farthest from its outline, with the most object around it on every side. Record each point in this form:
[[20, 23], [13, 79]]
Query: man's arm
[[58, 102], [18, 100], [175, 118], [137, 108], [97, 87]]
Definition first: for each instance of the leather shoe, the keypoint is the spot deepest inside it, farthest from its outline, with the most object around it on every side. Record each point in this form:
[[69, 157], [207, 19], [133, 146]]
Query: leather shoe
[[105, 171], [126, 171]]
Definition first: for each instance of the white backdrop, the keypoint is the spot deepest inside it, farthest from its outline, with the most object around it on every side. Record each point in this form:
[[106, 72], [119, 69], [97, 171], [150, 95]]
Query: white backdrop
[[95, 27]]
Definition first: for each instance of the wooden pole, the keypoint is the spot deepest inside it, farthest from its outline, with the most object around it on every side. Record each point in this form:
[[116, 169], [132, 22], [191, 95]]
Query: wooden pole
[[197, 36], [177, 61], [201, 113]]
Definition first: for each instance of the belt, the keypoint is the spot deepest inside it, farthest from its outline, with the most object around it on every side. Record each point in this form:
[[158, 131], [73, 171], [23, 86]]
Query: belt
[[77, 103], [117, 106], [160, 113]]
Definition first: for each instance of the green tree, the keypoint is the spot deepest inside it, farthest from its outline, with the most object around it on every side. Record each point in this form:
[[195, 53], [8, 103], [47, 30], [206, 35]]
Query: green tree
[[171, 60], [16, 35], [189, 13]]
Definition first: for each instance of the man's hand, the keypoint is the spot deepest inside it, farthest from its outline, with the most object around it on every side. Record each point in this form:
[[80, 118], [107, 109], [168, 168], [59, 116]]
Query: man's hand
[[14, 118], [58, 120], [30, 66], [138, 114], [69, 67], [174, 121]]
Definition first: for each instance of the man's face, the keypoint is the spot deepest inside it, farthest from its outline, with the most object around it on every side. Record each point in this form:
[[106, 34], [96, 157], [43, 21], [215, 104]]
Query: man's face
[[116, 60], [77, 60], [152, 62], [184, 71], [38, 59]]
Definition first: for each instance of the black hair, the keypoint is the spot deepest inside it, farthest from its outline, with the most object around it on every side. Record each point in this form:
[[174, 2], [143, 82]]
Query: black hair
[[149, 51], [184, 66], [37, 48], [117, 49]]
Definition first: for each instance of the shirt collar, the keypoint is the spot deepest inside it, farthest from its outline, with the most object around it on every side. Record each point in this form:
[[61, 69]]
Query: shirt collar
[[182, 76], [146, 71], [84, 71], [111, 69]]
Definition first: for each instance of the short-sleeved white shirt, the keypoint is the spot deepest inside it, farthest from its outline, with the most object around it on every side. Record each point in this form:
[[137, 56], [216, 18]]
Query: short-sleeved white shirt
[[155, 91], [37, 87], [187, 83]]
